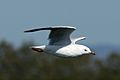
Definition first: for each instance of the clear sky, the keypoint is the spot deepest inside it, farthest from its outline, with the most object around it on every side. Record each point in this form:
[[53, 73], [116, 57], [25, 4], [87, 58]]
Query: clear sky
[[98, 20]]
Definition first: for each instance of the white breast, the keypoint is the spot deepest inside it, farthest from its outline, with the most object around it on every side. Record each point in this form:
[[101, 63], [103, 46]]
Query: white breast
[[70, 50], [65, 51]]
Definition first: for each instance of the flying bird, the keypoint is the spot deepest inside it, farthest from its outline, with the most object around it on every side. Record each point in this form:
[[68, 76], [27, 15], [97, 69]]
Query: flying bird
[[60, 42]]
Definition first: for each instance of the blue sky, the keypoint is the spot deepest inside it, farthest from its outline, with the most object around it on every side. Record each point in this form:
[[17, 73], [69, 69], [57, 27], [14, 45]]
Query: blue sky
[[98, 20]]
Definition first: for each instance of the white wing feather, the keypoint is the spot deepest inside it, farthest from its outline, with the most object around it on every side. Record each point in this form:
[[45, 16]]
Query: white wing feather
[[77, 39]]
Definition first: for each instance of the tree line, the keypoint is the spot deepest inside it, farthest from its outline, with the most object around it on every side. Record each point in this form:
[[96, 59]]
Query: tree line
[[24, 64]]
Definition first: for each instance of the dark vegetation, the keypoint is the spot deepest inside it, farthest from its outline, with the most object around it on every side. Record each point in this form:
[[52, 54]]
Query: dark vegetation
[[23, 64]]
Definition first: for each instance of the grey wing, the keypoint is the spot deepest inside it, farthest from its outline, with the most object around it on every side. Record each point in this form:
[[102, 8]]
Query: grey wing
[[59, 35]]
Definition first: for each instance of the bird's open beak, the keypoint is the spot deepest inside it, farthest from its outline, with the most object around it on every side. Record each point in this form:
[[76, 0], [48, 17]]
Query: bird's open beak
[[93, 53]]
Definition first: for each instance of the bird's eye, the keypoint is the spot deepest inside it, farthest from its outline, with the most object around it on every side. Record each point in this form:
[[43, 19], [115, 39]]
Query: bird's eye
[[85, 49]]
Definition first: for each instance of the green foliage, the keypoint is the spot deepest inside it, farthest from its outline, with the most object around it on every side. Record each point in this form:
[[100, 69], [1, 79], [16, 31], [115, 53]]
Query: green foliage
[[24, 64]]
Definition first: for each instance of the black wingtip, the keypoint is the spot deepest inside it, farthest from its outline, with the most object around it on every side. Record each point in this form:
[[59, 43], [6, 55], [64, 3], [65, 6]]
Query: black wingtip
[[26, 31], [32, 30]]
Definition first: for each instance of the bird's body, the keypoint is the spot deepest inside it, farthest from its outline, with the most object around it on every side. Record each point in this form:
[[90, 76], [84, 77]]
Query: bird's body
[[61, 44]]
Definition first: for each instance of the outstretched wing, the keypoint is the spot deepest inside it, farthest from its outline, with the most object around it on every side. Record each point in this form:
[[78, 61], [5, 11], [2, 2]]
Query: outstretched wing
[[74, 40], [59, 35]]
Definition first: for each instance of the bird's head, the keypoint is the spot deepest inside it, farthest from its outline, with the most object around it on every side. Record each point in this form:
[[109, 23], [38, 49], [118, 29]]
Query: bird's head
[[86, 51]]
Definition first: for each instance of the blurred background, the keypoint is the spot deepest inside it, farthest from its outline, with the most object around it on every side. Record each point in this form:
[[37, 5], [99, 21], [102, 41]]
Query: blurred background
[[97, 20]]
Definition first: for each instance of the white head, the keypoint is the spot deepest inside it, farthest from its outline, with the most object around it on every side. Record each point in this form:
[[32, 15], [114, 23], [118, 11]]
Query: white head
[[84, 50]]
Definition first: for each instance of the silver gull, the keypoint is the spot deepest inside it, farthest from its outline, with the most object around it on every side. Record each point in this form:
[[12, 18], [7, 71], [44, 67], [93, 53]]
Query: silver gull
[[61, 44]]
